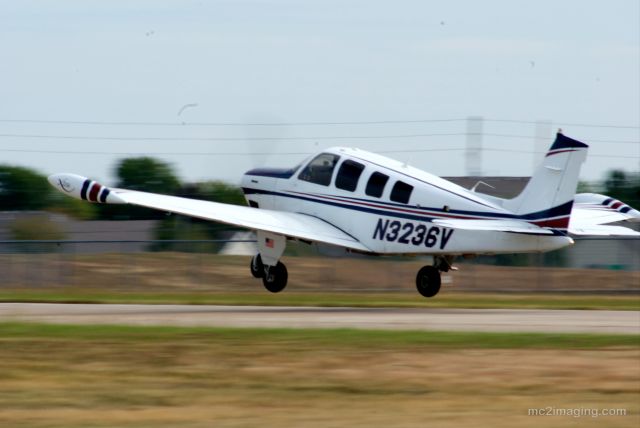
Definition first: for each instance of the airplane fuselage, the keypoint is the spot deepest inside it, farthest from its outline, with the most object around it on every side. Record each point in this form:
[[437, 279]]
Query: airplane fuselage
[[389, 206]]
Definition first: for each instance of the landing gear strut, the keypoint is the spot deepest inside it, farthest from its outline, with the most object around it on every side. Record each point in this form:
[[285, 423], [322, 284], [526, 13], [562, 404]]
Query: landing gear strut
[[428, 280], [266, 264]]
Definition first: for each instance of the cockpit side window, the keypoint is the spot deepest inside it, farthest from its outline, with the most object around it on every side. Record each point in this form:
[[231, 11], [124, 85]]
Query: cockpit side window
[[401, 192], [320, 169], [348, 175], [376, 183]]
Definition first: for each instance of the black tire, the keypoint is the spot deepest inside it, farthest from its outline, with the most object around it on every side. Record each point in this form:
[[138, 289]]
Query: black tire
[[428, 281], [256, 266], [276, 280]]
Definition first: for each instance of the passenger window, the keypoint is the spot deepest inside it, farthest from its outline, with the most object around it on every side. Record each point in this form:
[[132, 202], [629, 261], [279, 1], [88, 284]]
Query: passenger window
[[348, 175], [376, 183], [320, 169], [401, 192]]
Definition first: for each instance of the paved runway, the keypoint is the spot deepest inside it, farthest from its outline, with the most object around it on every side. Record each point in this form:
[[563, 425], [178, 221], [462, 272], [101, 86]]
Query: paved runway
[[488, 320]]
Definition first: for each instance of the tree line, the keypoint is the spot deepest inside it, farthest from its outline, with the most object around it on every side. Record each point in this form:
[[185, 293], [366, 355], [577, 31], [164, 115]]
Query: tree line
[[24, 189]]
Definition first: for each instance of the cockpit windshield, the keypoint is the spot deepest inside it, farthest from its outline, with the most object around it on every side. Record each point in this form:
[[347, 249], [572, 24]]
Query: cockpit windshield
[[320, 169]]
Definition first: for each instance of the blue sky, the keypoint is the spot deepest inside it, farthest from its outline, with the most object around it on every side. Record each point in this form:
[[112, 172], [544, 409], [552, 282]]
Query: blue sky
[[574, 63]]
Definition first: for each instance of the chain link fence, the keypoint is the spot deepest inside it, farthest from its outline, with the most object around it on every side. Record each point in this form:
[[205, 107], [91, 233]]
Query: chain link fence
[[602, 265]]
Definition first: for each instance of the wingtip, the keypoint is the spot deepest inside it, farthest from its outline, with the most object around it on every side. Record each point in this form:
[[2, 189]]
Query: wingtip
[[83, 188]]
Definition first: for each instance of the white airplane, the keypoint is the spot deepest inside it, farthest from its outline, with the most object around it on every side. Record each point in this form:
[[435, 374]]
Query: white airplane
[[370, 204]]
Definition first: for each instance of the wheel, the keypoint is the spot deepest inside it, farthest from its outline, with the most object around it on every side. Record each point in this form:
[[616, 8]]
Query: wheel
[[428, 281], [276, 278], [256, 266]]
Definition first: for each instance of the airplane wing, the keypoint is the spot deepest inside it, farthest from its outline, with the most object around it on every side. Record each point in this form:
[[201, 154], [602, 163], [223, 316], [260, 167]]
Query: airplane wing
[[515, 226], [293, 225], [591, 214]]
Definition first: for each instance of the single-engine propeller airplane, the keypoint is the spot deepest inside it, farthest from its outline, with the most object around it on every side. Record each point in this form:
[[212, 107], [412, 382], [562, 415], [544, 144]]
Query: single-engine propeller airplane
[[370, 204]]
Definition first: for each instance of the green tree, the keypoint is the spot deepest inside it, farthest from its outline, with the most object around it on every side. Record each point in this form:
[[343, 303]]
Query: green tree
[[36, 227], [23, 189], [624, 186], [148, 175], [144, 174], [185, 228], [216, 191]]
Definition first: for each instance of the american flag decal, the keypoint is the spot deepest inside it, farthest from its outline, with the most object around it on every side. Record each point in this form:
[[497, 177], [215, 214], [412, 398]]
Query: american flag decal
[[268, 242]]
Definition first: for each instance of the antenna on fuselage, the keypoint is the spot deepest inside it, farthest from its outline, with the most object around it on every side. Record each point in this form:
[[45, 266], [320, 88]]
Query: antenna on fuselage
[[475, 186]]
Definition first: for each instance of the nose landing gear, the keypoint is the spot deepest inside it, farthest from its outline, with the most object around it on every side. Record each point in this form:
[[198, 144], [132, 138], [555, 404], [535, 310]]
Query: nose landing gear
[[428, 281]]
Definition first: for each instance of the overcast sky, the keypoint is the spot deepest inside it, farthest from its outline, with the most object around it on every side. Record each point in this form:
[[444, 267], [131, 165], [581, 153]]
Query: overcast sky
[[412, 70]]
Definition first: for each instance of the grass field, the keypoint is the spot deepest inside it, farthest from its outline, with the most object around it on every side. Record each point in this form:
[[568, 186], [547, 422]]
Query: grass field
[[103, 376], [328, 299]]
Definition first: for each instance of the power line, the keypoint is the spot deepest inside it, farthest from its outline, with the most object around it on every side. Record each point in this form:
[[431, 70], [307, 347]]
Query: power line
[[209, 139], [448, 149], [222, 124], [577, 125], [307, 123], [531, 137], [298, 138], [76, 152]]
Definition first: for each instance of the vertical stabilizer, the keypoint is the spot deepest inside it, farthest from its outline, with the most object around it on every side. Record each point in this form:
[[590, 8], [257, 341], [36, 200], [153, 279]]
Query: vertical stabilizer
[[548, 197]]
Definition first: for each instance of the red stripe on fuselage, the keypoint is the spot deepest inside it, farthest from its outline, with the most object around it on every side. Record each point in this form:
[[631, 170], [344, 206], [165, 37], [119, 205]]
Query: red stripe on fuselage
[[556, 223], [93, 193]]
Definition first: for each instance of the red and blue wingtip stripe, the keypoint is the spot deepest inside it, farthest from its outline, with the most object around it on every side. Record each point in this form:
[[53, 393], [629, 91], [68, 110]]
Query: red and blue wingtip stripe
[[93, 191], [616, 205]]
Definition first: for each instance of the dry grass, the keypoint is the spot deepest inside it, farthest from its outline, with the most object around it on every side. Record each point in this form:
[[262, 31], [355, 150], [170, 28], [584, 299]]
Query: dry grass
[[211, 279], [206, 272], [199, 378]]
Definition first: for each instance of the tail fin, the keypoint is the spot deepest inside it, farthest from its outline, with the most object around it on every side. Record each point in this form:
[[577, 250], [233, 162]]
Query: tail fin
[[547, 199]]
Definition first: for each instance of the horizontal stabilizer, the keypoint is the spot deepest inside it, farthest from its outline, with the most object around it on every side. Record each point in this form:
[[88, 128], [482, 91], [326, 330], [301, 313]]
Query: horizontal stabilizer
[[604, 231], [515, 226], [591, 211]]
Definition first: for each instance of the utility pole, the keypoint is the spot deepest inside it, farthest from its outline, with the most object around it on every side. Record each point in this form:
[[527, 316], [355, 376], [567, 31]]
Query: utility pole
[[542, 141], [473, 154]]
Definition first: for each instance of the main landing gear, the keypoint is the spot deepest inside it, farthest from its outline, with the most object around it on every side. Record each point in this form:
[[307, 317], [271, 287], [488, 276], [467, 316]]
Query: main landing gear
[[266, 264], [274, 278], [428, 279]]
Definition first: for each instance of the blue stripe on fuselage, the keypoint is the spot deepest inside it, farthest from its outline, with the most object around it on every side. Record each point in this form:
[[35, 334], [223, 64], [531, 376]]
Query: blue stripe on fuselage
[[272, 172], [560, 210]]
